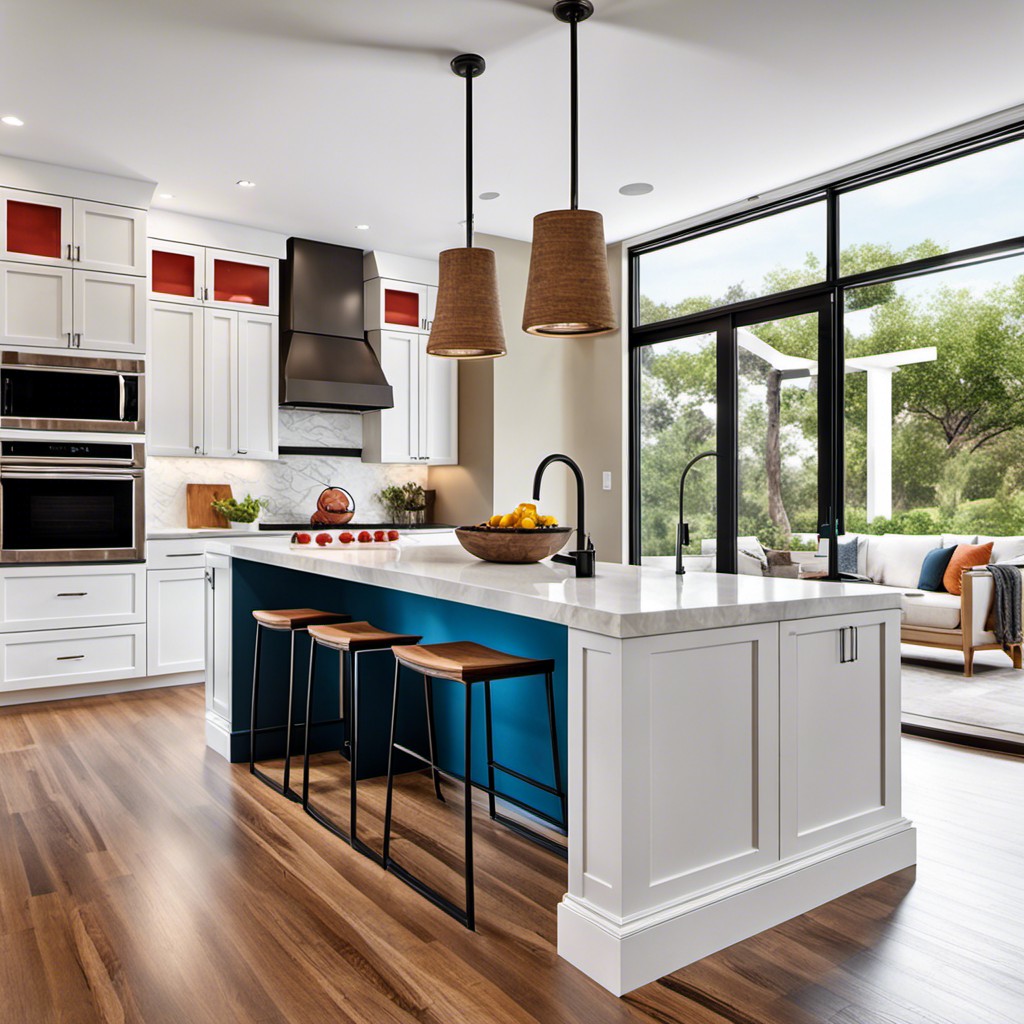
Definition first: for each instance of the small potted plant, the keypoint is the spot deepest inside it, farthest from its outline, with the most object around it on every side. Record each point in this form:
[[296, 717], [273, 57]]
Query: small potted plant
[[241, 515], [403, 504]]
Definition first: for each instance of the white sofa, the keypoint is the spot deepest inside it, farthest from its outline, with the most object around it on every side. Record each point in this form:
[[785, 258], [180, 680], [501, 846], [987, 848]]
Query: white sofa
[[939, 619]]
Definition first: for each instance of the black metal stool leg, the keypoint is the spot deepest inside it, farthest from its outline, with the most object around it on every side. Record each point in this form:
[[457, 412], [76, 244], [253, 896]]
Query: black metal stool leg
[[428, 696], [391, 772], [255, 700], [309, 718], [555, 759], [490, 748], [285, 788], [468, 797]]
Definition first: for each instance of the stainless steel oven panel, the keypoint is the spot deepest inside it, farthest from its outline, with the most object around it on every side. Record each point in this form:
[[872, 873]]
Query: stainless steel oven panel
[[68, 467], [42, 362]]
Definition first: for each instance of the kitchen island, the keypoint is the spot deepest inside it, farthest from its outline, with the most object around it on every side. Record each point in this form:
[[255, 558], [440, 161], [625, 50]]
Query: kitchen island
[[733, 741]]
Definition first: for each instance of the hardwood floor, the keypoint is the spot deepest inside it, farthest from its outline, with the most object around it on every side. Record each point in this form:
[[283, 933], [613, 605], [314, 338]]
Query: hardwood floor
[[143, 879]]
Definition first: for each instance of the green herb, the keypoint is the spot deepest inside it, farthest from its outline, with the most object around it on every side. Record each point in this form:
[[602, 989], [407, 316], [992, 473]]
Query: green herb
[[397, 499], [245, 511]]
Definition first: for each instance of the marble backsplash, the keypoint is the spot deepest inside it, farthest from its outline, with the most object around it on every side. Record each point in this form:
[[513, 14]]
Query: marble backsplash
[[291, 484]]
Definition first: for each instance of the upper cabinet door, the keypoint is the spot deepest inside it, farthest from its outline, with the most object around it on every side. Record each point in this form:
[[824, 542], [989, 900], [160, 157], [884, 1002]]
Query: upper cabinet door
[[176, 272], [236, 280], [35, 306], [220, 345], [400, 426], [35, 228], [431, 306], [110, 311], [257, 386], [439, 408], [109, 238], [395, 305], [174, 417]]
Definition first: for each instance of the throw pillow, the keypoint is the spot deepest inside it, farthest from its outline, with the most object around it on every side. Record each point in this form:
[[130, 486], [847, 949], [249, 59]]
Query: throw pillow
[[966, 556], [848, 555], [934, 567]]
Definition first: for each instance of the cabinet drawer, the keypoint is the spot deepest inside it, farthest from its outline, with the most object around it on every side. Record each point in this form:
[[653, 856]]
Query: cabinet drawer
[[38, 598], [180, 553], [68, 656]]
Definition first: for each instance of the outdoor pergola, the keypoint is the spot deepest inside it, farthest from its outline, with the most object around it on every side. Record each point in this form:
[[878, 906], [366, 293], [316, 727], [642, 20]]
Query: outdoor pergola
[[879, 369]]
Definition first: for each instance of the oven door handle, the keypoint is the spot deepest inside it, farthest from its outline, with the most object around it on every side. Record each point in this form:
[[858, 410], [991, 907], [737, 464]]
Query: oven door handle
[[93, 473], [120, 397]]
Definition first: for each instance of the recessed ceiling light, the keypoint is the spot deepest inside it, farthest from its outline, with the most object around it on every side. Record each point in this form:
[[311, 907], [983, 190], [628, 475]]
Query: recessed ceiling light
[[362, 227], [245, 183], [14, 122], [636, 188], [489, 195], [166, 195]]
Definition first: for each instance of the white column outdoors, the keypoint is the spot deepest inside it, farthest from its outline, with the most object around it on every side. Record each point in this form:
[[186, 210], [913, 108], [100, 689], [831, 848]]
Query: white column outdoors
[[879, 453]]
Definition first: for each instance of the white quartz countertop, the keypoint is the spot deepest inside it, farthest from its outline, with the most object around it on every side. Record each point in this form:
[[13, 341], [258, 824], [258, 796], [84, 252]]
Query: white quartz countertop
[[620, 601], [187, 533]]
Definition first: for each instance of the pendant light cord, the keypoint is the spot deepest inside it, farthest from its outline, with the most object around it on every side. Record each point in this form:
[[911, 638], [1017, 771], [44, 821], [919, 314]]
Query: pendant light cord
[[574, 119], [469, 161]]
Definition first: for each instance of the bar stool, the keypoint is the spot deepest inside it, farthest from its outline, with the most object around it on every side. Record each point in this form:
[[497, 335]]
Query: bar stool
[[350, 640], [292, 621], [469, 663]]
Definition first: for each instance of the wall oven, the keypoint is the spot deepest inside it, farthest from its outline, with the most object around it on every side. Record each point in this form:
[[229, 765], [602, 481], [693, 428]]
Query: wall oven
[[70, 501], [44, 391]]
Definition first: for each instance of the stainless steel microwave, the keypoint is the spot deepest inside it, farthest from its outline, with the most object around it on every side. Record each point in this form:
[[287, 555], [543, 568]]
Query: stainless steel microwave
[[44, 391], [71, 501]]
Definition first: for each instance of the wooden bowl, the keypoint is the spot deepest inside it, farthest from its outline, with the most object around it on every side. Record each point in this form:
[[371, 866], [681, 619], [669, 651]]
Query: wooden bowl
[[514, 545]]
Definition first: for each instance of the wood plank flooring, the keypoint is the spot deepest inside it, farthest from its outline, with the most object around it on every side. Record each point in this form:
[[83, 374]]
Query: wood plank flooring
[[143, 879]]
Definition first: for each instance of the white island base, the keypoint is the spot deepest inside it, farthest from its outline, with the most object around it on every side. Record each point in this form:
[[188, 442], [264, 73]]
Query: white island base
[[733, 741]]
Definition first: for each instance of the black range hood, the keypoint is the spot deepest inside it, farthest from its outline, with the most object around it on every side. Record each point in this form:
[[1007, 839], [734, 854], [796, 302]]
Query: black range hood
[[326, 362]]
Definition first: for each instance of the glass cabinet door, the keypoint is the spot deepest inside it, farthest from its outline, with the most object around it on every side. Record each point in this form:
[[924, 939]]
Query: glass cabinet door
[[35, 228], [176, 272], [239, 280]]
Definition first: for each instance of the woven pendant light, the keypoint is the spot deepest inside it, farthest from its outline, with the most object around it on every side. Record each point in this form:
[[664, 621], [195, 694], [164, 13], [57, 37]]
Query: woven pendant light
[[467, 318], [567, 294]]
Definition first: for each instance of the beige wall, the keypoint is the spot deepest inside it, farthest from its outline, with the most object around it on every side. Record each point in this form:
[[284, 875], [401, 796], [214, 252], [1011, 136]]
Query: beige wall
[[545, 396]]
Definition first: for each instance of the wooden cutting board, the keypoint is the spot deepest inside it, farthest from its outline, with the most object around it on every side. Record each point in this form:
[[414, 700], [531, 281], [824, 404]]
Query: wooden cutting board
[[197, 504]]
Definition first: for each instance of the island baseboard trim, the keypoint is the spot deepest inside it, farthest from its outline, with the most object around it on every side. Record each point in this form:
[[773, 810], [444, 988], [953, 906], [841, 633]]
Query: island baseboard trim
[[626, 957]]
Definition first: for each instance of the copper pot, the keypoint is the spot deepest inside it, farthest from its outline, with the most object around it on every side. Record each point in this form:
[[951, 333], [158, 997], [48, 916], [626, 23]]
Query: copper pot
[[334, 507]]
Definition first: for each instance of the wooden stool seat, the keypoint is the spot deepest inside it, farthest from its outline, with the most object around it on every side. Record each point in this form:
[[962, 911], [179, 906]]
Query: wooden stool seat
[[359, 636], [296, 618], [467, 662]]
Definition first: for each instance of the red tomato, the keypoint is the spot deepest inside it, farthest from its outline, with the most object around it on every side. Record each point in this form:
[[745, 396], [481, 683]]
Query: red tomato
[[324, 538], [345, 538], [301, 538], [392, 535], [364, 537], [378, 535]]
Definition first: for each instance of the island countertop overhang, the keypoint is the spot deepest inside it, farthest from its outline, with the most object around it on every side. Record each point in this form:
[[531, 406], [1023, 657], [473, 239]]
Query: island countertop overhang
[[620, 601]]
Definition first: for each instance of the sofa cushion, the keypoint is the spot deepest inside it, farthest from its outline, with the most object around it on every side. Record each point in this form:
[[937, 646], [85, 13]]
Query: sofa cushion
[[1005, 549], [933, 568], [966, 556], [936, 611], [958, 538], [901, 557]]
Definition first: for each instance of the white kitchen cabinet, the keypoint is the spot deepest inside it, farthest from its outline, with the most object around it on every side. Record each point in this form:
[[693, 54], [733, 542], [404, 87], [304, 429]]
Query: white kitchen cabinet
[[236, 280], [176, 620], [213, 383], [109, 238], [109, 311], [174, 408], [36, 228], [219, 723], [220, 383], [398, 305], [177, 272], [257, 363], [840, 727], [422, 426], [35, 306]]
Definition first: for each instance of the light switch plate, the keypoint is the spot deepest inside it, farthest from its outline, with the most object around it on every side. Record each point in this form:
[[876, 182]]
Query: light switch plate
[[606, 480]]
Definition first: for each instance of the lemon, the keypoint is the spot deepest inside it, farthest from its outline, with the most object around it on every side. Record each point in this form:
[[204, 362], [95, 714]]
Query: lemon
[[527, 523], [548, 521], [494, 520], [506, 521]]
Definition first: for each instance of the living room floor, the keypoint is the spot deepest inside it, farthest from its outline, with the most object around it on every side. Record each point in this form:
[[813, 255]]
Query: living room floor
[[934, 687]]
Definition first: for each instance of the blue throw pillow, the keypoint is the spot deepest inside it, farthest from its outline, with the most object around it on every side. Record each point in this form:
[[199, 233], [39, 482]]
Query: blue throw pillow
[[933, 568], [848, 555]]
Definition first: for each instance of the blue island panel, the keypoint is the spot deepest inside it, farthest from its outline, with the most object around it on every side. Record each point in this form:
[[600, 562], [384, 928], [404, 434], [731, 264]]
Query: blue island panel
[[519, 705]]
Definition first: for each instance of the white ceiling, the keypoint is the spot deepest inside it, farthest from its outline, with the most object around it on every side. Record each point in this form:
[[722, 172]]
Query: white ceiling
[[345, 112]]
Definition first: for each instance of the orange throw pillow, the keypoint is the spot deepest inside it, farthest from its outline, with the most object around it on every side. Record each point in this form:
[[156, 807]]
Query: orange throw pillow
[[966, 556]]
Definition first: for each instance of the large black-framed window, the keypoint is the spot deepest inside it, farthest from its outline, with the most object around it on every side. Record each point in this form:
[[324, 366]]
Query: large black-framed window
[[825, 293]]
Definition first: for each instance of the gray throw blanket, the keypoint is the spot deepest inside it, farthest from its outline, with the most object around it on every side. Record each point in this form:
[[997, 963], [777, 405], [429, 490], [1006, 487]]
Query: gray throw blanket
[[1006, 608]]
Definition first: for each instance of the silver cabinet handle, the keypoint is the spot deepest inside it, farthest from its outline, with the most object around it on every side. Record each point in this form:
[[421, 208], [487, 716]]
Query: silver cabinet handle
[[76, 593], [184, 554], [68, 333], [243, 451], [69, 252], [206, 294], [851, 655], [210, 578], [78, 339], [70, 657], [195, 450], [78, 254]]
